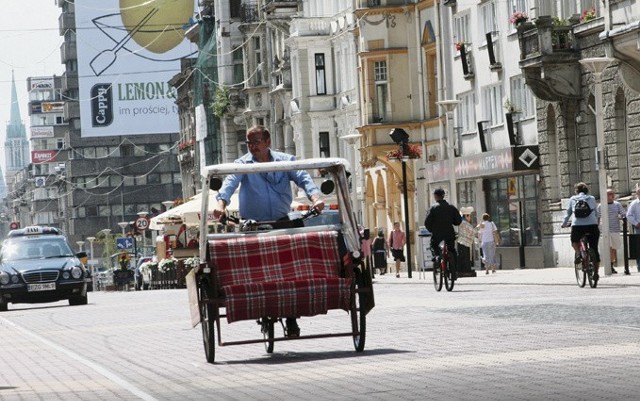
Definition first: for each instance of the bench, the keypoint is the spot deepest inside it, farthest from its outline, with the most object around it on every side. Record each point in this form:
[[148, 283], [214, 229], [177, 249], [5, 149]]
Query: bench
[[284, 275]]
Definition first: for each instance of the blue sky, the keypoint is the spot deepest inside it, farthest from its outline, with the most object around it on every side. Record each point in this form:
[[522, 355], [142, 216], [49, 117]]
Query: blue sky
[[30, 45]]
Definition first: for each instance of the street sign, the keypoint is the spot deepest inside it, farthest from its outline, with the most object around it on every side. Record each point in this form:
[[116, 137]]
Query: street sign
[[142, 223], [124, 243]]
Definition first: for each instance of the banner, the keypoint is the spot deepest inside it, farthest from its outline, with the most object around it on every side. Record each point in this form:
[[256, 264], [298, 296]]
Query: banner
[[128, 50]]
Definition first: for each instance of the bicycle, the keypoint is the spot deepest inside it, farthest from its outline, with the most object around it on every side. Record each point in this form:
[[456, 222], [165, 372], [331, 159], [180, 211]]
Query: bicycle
[[444, 268], [586, 269]]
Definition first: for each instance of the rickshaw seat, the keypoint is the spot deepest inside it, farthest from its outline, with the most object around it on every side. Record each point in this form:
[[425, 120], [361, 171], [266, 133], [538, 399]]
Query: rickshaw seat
[[282, 275]]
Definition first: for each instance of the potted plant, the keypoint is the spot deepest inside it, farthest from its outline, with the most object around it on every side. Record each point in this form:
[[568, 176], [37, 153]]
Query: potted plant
[[413, 152], [588, 15], [518, 18], [167, 264]]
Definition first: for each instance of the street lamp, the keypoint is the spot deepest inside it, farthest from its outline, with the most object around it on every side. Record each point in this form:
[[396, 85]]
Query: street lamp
[[449, 106], [167, 204], [351, 140], [80, 243], [596, 66], [123, 225], [400, 136]]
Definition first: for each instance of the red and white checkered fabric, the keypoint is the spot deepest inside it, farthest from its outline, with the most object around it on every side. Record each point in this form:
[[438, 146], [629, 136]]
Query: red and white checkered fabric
[[280, 276]]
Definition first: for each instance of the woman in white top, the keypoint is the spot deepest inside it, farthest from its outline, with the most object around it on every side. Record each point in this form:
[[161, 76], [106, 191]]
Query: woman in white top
[[485, 235]]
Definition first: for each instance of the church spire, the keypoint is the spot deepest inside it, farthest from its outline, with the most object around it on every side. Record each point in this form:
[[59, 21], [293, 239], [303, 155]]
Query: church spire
[[15, 107]]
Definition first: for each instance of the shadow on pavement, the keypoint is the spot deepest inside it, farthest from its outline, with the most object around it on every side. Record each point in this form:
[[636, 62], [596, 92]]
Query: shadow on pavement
[[294, 357]]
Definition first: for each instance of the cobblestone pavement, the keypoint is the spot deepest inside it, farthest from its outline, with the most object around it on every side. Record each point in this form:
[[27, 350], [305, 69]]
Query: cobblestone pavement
[[513, 335]]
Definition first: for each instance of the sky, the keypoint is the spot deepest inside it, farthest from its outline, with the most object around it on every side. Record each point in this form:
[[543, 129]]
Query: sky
[[30, 46]]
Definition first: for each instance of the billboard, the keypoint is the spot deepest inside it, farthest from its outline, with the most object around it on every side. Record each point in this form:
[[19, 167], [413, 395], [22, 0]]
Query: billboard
[[127, 52], [43, 156]]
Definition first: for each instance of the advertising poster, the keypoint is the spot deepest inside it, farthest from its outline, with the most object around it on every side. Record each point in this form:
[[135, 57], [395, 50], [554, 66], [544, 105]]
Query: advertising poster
[[127, 52]]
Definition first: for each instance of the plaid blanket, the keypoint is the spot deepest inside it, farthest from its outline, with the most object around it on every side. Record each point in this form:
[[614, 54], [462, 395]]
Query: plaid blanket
[[280, 276]]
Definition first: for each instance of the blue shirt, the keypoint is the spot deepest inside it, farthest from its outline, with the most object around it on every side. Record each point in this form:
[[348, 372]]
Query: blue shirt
[[266, 196], [591, 219]]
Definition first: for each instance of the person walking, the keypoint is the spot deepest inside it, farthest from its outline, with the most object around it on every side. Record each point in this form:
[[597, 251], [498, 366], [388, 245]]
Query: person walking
[[616, 212], [380, 253], [633, 218], [486, 230], [397, 239]]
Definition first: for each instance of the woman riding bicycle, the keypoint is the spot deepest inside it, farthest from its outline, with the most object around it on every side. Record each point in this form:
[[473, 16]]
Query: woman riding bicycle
[[584, 220]]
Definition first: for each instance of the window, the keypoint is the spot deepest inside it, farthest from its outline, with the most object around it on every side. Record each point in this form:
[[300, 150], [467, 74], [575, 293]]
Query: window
[[325, 146], [466, 110], [381, 90], [492, 105], [461, 26], [512, 205], [521, 98], [91, 211], [104, 210], [126, 150], [238, 66], [234, 6], [321, 84], [60, 143], [102, 152], [487, 21], [258, 60]]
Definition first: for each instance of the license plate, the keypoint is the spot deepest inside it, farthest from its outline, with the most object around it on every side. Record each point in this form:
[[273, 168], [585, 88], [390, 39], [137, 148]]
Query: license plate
[[41, 287]]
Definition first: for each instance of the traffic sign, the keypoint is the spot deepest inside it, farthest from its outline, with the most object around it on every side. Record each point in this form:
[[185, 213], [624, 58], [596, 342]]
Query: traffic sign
[[142, 223], [124, 243], [14, 225]]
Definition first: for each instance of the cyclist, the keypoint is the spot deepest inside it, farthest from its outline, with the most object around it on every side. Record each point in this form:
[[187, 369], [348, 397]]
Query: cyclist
[[440, 221], [583, 225]]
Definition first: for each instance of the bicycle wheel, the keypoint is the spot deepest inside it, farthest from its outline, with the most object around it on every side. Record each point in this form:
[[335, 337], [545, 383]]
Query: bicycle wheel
[[449, 274], [358, 317], [267, 329], [207, 321], [437, 275], [581, 275]]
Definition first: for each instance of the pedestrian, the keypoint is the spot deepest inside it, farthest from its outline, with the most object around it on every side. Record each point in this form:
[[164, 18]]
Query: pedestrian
[[397, 240], [380, 253], [488, 236], [365, 246], [633, 218], [466, 235], [615, 212]]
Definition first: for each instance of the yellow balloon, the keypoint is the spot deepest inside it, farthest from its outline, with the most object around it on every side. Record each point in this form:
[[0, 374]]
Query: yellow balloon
[[156, 25]]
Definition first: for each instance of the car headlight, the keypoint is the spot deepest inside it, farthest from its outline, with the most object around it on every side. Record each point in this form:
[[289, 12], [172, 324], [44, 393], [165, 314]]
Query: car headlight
[[76, 272], [4, 278]]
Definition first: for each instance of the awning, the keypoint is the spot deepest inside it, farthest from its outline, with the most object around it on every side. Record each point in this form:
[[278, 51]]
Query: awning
[[189, 212]]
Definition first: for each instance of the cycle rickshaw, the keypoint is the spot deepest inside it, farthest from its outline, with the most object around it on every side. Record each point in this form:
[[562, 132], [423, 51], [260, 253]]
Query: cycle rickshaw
[[266, 271]]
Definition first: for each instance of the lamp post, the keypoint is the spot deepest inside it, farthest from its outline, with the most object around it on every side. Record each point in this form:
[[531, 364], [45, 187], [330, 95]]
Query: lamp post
[[400, 136], [596, 66], [80, 243], [351, 140], [167, 204], [123, 225], [449, 106]]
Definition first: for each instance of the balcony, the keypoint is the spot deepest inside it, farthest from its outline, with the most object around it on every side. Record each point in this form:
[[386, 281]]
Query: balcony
[[66, 21], [624, 40], [69, 81], [71, 111], [68, 51], [280, 7], [549, 59]]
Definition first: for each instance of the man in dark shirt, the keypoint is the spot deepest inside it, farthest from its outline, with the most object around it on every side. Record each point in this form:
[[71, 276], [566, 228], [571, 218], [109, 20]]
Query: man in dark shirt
[[440, 221]]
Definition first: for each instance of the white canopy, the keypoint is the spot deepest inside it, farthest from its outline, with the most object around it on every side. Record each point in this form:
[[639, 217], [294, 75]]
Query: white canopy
[[189, 212]]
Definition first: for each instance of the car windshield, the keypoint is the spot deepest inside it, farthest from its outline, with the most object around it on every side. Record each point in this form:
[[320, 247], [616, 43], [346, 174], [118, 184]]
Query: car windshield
[[35, 248]]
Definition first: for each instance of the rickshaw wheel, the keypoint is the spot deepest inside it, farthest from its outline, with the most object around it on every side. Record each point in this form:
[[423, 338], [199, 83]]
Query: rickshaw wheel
[[207, 321], [358, 317], [268, 333]]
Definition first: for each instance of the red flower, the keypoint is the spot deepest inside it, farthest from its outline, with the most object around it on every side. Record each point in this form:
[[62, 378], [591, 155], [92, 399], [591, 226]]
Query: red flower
[[413, 152]]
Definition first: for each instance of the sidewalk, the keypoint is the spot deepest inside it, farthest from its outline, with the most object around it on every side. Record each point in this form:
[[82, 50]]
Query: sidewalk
[[550, 275]]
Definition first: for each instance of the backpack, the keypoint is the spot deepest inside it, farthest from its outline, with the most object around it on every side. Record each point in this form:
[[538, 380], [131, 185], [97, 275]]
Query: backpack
[[582, 209]]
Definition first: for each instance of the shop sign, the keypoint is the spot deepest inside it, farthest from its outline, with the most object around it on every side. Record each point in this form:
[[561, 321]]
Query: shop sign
[[52, 107], [526, 158], [41, 156], [498, 161], [42, 132]]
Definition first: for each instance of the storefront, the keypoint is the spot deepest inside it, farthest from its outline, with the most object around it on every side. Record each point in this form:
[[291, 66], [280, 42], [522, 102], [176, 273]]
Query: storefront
[[503, 183]]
